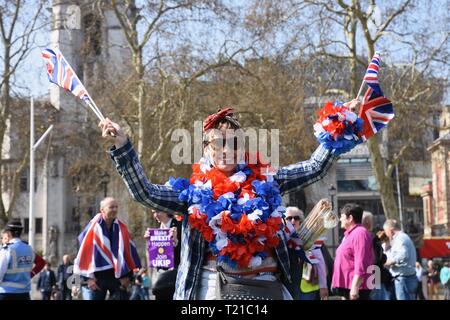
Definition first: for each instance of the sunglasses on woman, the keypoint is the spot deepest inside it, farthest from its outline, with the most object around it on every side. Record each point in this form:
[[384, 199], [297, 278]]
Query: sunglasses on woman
[[296, 218], [219, 143]]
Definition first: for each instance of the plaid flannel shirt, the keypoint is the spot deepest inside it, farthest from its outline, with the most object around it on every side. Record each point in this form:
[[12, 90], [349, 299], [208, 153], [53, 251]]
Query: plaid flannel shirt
[[161, 197]]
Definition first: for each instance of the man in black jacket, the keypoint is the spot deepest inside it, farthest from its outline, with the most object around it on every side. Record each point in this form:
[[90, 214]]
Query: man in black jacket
[[63, 274], [46, 282]]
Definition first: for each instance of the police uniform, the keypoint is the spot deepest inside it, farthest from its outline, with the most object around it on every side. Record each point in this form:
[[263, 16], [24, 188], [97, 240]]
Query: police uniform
[[16, 263]]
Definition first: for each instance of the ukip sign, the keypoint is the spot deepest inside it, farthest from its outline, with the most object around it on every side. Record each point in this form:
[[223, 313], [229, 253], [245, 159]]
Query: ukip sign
[[160, 249]]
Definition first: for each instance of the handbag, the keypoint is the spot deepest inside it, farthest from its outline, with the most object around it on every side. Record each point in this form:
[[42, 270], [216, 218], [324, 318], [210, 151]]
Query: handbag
[[164, 287], [232, 288]]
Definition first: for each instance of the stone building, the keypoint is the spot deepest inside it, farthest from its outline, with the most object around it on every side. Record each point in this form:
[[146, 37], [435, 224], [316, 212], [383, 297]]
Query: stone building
[[436, 195], [93, 43]]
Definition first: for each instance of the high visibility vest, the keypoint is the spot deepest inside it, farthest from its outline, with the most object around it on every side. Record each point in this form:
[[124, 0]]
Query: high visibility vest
[[17, 278], [309, 281]]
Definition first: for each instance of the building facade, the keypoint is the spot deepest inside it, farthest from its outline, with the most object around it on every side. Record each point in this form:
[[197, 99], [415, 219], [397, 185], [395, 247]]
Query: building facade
[[93, 43]]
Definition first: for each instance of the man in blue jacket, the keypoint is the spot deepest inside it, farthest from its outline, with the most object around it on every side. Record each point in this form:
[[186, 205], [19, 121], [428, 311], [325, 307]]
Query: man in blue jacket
[[16, 263], [46, 282]]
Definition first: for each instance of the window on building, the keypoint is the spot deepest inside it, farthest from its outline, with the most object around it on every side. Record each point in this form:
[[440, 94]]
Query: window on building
[[23, 183], [37, 225], [26, 225], [368, 184], [93, 34]]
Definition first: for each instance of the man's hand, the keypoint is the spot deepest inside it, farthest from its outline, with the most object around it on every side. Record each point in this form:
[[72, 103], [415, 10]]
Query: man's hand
[[389, 262], [147, 234], [323, 293], [112, 129], [353, 105], [124, 282], [74, 291], [92, 284], [354, 294]]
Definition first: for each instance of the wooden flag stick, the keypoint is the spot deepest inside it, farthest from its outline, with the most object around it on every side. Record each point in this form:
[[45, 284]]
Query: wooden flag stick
[[360, 89], [96, 111]]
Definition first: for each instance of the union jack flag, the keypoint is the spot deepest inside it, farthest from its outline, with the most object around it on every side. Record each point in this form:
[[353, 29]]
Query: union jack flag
[[376, 111], [100, 252], [61, 73], [371, 76]]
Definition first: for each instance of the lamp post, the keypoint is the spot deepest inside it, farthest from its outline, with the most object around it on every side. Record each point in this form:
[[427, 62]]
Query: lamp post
[[332, 193], [104, 182], [33, 146]]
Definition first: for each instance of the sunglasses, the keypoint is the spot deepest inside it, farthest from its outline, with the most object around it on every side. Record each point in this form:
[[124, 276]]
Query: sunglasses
[[296, 218], [219, 143]]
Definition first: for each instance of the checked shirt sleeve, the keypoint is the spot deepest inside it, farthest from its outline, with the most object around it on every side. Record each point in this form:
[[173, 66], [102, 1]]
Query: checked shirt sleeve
[[299, 175], [159, 197]]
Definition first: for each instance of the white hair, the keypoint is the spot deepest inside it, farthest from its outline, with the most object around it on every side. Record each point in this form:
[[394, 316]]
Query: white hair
[[391, 223], [297, 211], [105, 201]]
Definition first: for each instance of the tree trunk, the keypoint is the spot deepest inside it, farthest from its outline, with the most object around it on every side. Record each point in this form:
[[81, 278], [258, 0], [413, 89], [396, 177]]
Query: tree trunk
[[384, 182], [5, 100], [141, 100]]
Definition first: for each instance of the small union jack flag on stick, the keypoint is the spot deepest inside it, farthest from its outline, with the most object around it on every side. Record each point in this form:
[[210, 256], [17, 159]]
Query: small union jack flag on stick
[[371, 76], [376, 111], [61, 73]]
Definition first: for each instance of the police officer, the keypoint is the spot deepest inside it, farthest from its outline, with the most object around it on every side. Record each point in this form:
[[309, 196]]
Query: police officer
[[16, 263]]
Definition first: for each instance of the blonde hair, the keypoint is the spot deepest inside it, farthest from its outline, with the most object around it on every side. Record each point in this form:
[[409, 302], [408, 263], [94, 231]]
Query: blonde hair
[[367, 220]]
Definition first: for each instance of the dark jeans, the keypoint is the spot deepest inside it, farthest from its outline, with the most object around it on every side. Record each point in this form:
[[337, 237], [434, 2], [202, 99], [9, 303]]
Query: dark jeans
[[107, 282], [14, 296], [363, 294], [419, 292], [146, 293], [137, 293], [313, 295], [46, 295], [65, 294]]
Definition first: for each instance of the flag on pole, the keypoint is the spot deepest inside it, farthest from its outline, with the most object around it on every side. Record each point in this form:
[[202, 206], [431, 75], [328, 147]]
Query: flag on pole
[[371, 76], [61, 73], [376, 111]]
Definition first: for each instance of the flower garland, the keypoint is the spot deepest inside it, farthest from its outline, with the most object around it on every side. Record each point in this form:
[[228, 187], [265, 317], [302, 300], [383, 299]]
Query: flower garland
[[337, 128], [240, 215]]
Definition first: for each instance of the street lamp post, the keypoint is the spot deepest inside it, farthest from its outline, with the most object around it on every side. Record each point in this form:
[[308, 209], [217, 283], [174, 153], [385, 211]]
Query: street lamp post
[[33, 147], [332, 192]]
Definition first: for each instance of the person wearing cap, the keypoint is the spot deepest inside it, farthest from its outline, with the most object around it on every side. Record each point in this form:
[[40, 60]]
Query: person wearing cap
[[210, 235], [16, 264]]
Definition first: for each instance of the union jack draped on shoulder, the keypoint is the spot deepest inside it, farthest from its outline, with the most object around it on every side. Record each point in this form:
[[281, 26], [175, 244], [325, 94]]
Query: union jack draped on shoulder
[[99, 252]]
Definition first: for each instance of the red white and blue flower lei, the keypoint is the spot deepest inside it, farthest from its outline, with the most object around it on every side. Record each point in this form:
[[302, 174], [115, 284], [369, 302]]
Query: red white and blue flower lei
[[240, 215], [337, 128]]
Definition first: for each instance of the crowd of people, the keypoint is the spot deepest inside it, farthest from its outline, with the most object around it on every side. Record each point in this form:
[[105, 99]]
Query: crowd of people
[[367, 266], [234, 235]]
